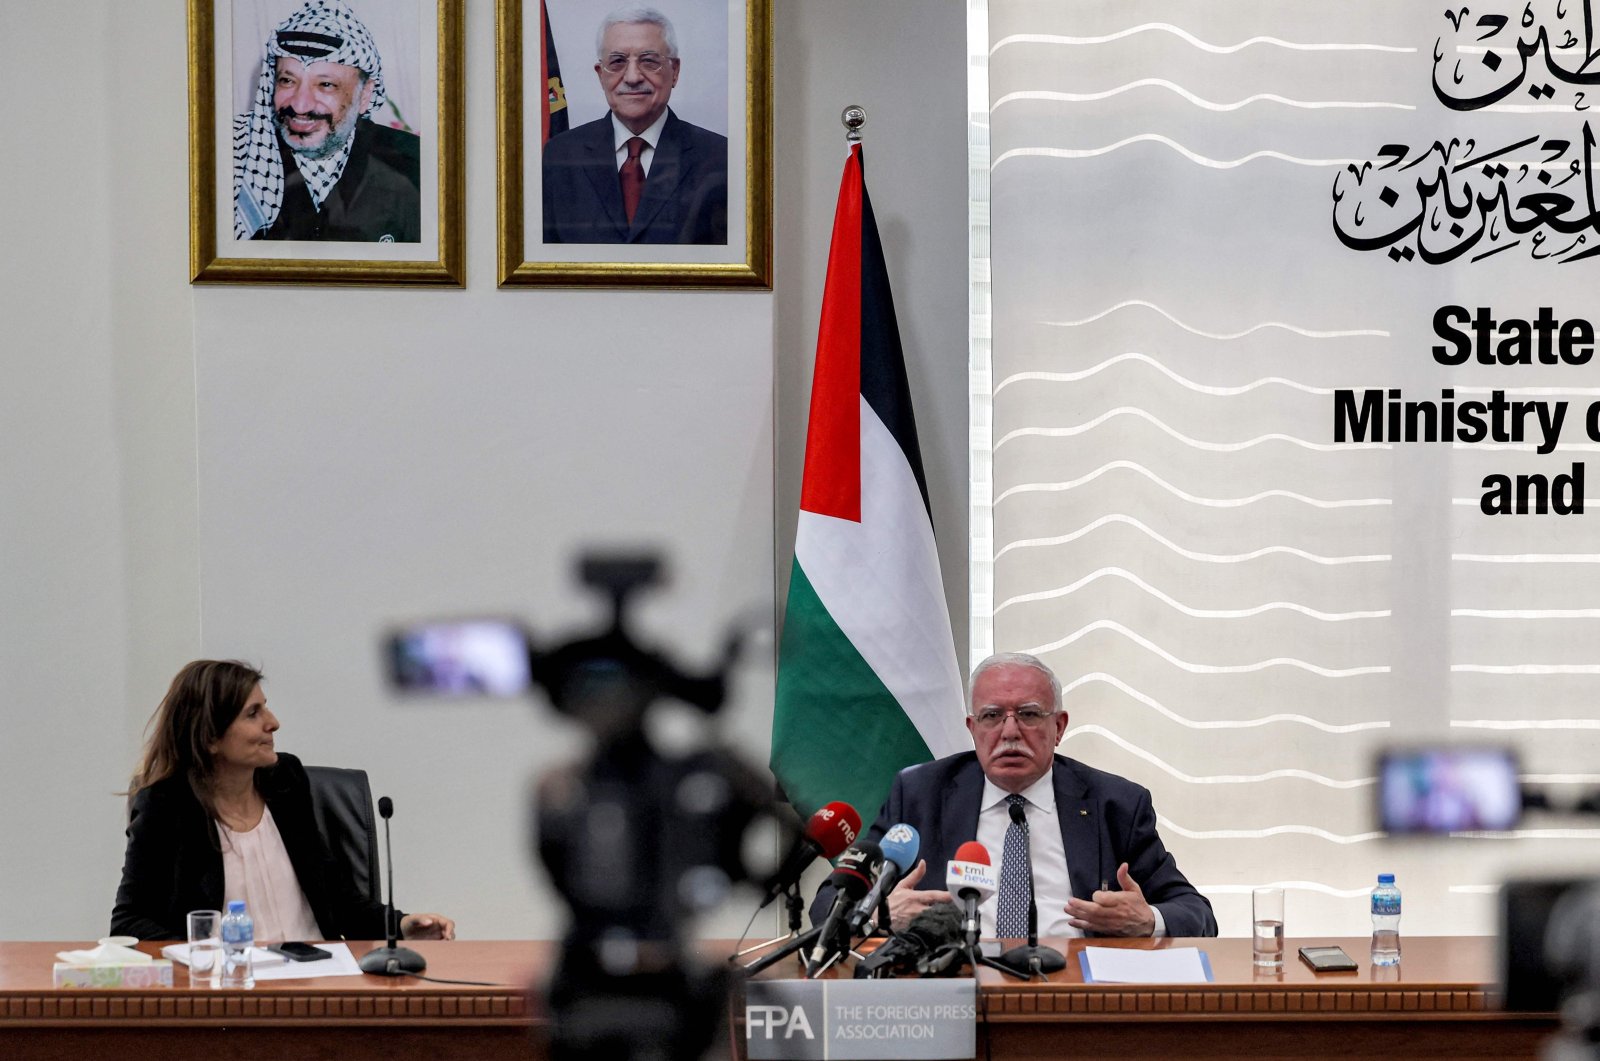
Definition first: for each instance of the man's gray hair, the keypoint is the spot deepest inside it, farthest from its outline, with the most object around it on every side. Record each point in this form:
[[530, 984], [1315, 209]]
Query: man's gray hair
[[632, 16], [1015, 659]]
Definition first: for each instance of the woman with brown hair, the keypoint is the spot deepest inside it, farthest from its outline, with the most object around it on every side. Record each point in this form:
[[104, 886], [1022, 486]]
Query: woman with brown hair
[[218, 813]]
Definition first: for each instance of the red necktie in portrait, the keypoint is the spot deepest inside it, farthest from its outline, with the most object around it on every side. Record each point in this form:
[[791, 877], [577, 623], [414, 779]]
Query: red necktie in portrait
[[632, 176]]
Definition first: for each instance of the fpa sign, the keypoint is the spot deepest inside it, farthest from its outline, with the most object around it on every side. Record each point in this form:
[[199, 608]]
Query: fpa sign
[[860, 1020], [777, 1022]]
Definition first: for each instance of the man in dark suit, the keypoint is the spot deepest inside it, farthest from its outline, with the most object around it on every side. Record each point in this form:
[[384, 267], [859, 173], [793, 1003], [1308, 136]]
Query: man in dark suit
[[1099, 865], [640, 174]]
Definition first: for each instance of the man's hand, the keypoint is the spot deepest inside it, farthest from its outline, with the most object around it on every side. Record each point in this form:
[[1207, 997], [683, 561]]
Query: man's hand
[[906, 902], [1123, 913], [427, 926]]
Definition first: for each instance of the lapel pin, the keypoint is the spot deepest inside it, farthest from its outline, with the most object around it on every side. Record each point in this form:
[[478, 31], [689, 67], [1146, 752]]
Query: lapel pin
[[1082, 813]]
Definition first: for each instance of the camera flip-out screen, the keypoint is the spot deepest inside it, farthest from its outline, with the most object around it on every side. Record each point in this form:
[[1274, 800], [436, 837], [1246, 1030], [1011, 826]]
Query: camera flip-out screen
[[485, 656], [1448, 790]]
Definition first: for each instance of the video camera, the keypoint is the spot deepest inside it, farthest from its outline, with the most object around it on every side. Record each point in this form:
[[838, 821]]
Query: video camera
[[637, 841], [1549, 929]]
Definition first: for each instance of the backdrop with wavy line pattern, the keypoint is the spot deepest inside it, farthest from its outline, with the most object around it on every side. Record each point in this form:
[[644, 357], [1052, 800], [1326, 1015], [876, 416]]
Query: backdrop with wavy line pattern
[[1243, 611]]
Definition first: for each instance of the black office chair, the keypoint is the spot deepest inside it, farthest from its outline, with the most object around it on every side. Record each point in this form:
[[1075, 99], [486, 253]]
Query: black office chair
[[341, 799]]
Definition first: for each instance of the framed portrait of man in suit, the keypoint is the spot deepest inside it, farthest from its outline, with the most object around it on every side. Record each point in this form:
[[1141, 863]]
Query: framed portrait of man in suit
[[325, 141], [635, 143]]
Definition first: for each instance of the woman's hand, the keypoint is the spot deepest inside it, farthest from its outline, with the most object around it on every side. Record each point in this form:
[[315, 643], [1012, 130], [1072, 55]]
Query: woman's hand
[[427, 926]]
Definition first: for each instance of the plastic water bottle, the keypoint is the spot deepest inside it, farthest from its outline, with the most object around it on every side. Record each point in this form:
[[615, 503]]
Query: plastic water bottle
[[238, 936], [1386, 921]]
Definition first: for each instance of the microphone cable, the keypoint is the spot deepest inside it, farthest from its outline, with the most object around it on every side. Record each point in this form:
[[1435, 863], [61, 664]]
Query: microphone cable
[[442, 980]]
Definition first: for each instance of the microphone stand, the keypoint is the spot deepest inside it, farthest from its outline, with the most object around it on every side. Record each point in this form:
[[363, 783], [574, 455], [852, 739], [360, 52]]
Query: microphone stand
[[975, 958], [975, 955], [799, 942], [392, 960], [796, 906]]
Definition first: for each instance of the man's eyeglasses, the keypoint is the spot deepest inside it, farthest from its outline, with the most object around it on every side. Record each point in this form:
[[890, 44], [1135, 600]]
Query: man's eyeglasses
[[649, 62], [994, 717]]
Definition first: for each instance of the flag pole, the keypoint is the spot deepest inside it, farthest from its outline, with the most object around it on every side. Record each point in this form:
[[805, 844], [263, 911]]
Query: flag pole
[[853, 118]]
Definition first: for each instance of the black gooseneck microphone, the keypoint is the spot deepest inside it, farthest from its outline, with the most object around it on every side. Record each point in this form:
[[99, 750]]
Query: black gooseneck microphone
[[852, 879], [1030, 958], [392, 960]]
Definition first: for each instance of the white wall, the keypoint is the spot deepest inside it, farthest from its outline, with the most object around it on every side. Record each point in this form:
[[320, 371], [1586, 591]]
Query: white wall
[[98, 571], [905, 62], [187, 473]]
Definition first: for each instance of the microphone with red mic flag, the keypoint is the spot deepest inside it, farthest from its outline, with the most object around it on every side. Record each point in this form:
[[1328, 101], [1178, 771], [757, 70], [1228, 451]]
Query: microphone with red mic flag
[[828, 833], [970, 878]]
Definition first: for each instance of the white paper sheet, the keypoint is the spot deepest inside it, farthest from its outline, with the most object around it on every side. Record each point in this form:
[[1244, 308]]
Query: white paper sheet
[[1175, 965], [273, 966], [343, 963], [260, 956]]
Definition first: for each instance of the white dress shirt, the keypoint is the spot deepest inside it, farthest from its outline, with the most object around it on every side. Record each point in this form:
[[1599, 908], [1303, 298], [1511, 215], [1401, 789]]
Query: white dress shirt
[[622, 135], [1052, 886]]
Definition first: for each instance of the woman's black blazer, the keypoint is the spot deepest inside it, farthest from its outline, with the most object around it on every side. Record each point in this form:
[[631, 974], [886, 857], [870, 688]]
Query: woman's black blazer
[[174, 860]]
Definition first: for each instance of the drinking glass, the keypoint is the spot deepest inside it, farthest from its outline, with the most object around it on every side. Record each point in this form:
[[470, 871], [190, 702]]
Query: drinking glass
[[1266, 946], [205, 946]]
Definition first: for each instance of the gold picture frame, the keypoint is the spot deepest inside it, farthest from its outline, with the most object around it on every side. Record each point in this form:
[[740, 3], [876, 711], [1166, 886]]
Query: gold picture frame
[[743, 259], [429, 260]]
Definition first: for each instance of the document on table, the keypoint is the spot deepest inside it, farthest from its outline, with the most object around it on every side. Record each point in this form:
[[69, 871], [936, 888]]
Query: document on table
[[274, 967], [259, 956], [1170, 965]]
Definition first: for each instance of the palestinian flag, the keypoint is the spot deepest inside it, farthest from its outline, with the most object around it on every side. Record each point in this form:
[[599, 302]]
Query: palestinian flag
[[553, 116], [867, 675]]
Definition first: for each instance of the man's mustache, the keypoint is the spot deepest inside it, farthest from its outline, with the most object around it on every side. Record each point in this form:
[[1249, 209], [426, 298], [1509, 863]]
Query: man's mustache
[[285, 113], [1015, 746]]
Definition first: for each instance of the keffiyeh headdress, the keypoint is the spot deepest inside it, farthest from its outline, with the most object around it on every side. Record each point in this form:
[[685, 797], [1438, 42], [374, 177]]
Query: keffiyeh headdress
[[322, 31]]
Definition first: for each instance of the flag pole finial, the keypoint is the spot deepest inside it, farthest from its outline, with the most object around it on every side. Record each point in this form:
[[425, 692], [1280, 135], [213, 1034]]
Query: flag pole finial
[[853, 118]]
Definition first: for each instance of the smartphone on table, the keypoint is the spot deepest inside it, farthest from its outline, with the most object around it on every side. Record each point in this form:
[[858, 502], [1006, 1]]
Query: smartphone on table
[[1327, 959]]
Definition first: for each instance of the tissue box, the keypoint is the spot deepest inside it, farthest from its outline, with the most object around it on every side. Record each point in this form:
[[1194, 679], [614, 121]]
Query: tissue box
[[152, 974]]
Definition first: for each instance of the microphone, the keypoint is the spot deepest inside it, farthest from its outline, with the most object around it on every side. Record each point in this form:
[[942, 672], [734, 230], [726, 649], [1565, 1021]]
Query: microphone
[[392, 960], [851, 879], [900, 845], [1030, 958], [830, 831], [928, 934], [971, 879]]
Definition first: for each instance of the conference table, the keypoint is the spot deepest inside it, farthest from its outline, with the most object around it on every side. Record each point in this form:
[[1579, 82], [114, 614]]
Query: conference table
[[337, 1018], [1435, 1004]]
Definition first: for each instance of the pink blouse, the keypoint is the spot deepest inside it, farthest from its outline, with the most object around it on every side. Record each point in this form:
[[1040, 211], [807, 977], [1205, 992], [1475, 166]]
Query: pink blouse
[[256, 868]]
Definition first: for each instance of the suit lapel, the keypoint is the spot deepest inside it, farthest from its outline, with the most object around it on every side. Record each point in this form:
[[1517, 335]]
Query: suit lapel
[[1079, 815], [212, 881], [600, 166], [667, 167], [958, 819]]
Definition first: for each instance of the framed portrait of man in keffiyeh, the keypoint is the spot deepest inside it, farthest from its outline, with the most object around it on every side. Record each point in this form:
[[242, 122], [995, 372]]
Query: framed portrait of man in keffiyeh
[[635, 143], [325, 141]]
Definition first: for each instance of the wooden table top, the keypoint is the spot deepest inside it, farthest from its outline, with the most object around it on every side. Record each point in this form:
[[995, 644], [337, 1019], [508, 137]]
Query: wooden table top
[[28, 966], [1452, 961], [509, 971], [1437, 974]]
